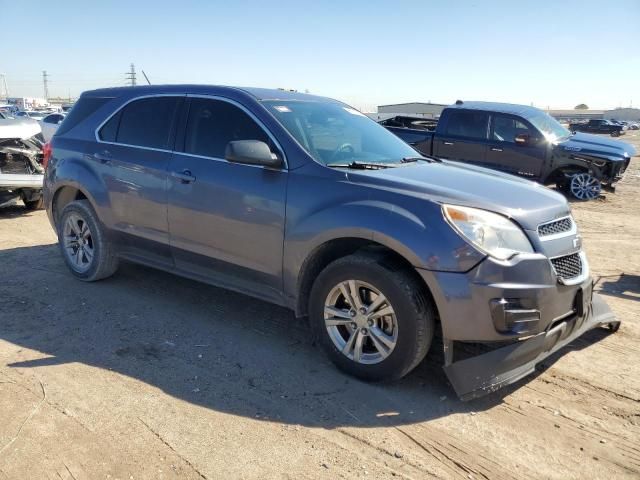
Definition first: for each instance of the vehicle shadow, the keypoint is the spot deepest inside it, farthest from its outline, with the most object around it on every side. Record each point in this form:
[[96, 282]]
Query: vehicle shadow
[[14, 210], [622, 286], [205, 345]]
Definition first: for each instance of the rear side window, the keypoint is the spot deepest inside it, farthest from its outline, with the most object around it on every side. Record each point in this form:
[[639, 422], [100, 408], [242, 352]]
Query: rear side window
[[468, 123], [145, 123], [84, 107], [212, 124]]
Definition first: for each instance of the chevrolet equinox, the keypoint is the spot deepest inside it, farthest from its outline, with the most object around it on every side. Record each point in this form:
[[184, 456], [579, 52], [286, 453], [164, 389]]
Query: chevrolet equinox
[[305, 202]]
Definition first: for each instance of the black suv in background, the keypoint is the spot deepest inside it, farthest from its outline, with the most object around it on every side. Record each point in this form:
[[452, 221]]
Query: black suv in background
[[520, 140]]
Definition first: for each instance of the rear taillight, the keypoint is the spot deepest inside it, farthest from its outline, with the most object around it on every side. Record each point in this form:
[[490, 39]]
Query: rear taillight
[[46, 154]]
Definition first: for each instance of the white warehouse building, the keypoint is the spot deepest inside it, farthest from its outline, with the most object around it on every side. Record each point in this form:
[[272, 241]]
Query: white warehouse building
[[627, 114]]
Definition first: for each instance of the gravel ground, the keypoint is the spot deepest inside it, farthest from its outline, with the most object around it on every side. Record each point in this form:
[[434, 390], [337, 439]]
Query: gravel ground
[[147, 375]]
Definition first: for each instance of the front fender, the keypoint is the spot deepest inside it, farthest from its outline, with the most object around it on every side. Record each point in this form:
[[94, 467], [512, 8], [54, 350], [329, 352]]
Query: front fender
[[425, 240]]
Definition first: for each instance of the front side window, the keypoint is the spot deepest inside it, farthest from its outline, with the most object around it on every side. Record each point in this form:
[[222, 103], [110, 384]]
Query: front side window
[[333, 133], [467, 124], [212, 124], [145, 123], [548, 126], [505, 128]]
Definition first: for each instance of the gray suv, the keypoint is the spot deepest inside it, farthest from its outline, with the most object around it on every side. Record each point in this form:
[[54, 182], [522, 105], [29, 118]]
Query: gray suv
[[305, 202]]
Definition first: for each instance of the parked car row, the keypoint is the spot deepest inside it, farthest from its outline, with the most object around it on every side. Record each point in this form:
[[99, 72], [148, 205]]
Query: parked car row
[[614, 129], [305, 202]]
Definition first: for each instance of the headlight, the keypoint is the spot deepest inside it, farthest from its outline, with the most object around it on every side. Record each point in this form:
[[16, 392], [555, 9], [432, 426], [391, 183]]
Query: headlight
[[489, 232]]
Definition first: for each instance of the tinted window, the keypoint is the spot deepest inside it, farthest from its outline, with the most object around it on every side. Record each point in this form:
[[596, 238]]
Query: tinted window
[[212, 124], [84, 107], [467, 123], [147, 122], [506, 128]]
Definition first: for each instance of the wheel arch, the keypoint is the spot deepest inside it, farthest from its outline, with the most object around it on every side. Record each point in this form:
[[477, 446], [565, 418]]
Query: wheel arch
[[336, 248]]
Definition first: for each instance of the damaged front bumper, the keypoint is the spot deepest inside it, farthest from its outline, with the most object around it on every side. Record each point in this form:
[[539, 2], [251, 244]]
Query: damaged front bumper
[[480, 375]]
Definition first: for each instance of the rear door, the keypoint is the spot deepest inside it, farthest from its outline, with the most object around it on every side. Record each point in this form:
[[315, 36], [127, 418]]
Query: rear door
[[463, 136], [132, 156], [226, 220], [505, 154]]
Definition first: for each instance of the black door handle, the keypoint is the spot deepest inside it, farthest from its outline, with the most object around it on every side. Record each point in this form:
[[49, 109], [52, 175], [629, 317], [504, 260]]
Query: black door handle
[[496, 149], [184, 176]]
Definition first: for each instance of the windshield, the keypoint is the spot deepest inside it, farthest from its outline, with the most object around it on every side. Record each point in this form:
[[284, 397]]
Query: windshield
[[548, 125], [333, 133]]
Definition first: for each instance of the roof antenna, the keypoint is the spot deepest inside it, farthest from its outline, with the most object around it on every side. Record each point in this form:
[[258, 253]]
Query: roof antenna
[[146, 78], [458, 102]]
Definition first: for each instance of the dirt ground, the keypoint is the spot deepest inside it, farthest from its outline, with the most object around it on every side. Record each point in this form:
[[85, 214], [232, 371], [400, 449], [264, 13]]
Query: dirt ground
[[147, 375]]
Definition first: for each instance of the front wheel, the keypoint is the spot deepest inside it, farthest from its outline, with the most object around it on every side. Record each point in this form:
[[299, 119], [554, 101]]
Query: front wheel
[[374, 321], [615, 134], [585, 186]]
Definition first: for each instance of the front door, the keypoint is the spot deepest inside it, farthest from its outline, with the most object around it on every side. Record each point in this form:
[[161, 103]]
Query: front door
[[226, 220], [505, 154]]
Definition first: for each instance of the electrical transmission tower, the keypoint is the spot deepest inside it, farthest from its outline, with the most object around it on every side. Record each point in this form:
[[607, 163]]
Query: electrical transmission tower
[[131, 75], [45, 83]]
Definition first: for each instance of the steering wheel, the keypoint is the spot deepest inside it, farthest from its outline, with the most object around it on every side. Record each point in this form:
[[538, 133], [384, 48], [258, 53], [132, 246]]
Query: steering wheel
[[344, 148]]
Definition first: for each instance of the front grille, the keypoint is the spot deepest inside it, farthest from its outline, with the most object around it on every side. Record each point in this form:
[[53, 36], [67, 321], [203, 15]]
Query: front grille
[[557, 226], [567, 267]]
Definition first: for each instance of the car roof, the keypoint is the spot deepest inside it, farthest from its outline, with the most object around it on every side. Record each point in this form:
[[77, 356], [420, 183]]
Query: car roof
[[522, 110], [257, 93]]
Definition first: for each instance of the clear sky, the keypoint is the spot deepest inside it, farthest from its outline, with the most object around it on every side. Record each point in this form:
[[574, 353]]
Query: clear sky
[[555, 53]]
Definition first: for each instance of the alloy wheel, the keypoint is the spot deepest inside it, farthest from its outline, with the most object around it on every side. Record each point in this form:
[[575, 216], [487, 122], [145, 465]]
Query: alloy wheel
[[361, 322], [585, 186], [78, 243]]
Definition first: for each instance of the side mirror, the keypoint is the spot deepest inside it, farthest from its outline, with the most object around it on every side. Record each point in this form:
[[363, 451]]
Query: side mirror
[[251, 152], [523, 139]]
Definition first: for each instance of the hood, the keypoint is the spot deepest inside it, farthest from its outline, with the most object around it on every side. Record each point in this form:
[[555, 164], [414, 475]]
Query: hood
[[598, 146], [22, 129], [528, 203]]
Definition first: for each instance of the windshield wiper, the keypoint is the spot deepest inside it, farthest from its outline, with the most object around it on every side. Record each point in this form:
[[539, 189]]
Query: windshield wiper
[[361, 165], [415, 159]]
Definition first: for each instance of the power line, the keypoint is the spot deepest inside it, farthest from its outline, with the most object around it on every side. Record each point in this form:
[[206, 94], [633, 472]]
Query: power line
[[131, 76], [45, 80]]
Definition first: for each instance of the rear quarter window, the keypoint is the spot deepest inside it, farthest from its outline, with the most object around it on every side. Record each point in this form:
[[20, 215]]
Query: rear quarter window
[[83, 108]]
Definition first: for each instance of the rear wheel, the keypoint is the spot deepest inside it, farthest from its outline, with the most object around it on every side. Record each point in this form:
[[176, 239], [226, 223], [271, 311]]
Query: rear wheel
[[374, 321], [585, 186], [84, 246]]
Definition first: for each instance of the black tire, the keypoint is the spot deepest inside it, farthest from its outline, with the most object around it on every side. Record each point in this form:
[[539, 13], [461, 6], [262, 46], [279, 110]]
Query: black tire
[[413, 307], [104, 262], [615, 134], [34, 204]]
